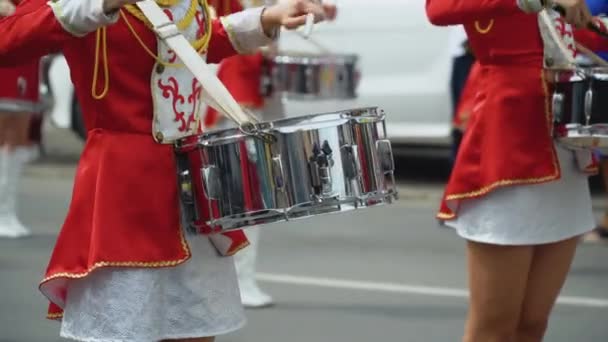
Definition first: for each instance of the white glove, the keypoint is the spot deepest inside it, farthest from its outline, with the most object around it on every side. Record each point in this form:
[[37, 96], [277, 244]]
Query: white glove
[[6, 8]]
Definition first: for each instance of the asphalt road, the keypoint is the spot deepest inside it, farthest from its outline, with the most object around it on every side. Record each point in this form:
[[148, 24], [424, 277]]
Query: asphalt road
[[382, 274]]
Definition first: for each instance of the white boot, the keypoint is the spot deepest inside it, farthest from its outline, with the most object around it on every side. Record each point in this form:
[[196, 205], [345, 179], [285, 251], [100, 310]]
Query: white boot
[[11, 165], [251, 294]]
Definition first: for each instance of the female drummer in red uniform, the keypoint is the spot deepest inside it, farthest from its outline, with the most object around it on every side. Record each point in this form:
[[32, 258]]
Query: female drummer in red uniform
[[123, 268], [18, 100], [520, 201]]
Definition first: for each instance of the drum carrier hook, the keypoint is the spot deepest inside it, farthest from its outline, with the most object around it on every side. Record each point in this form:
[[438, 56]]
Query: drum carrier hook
[[253, 130]]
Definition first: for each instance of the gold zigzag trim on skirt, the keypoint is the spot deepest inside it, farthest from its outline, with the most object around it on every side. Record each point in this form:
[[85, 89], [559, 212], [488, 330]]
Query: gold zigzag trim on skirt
[[54, 316], [131, 264]]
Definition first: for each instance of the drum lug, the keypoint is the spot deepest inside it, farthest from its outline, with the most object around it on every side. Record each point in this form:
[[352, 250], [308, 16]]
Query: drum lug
[[278, 173], [588, 105], [320, 170], [350, 160], [557, 107], [385, 153], [211, 183], [185, 187]]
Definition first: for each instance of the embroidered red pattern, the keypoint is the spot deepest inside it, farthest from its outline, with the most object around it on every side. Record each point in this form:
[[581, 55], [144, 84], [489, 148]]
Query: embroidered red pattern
[[565, 31], [193, 100], [171, 91], [173, 56], [200, 21]]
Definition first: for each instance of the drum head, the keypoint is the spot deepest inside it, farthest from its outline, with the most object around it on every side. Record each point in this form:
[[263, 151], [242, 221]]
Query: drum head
[[317, 121], [305, 58], [598, 73], [307, 122]]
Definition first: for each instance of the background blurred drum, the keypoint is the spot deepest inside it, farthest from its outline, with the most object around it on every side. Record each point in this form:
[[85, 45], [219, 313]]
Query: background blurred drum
[[311, 76]]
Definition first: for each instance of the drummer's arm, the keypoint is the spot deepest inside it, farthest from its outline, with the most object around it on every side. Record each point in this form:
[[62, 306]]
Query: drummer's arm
[[592, 40], [238, 33], [38, 28], [456, 12]]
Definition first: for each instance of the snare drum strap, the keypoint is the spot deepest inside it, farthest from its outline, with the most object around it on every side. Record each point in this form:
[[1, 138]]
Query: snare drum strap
[[242, 76]]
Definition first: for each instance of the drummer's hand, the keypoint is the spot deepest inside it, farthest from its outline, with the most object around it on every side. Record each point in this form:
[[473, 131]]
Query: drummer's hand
[[292, 14], [6, 8], [577, 12]]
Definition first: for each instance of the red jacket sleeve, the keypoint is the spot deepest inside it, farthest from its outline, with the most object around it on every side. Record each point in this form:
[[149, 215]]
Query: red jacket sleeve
[[30, 33], [456, 12], [220, 46], [592, 40], [226, 7]]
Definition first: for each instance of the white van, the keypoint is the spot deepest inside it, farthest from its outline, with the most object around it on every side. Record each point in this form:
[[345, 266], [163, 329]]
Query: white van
[[404, 62]]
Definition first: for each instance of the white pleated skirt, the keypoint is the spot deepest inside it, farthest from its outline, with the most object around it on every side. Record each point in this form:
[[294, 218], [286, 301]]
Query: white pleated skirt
[[530, 214], [199, 298]]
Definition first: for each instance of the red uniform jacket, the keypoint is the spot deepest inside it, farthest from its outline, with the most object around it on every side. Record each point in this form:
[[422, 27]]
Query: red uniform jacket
[[508, 140], [466, 103], [241, 74], [20, 82], [124, 210]]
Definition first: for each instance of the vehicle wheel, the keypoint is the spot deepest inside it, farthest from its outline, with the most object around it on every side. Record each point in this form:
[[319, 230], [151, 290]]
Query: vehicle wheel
[[77, 120]]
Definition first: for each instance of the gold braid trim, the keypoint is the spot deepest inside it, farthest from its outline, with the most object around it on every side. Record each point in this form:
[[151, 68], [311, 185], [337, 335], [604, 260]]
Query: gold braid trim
[[54, 316], [101, 46], [199, 45], [484, 30]]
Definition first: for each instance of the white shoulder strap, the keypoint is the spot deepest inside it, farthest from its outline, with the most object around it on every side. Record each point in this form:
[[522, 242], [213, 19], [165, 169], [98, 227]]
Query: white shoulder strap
[[214, 92]]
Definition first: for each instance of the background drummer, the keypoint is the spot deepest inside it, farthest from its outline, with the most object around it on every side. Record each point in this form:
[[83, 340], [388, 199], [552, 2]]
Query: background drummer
[[18, 100], [242, 75], [600, 233]]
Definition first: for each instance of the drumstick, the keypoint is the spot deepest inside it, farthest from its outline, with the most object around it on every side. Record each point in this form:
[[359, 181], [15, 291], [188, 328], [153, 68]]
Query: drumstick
[[310, 23], [594, 57]]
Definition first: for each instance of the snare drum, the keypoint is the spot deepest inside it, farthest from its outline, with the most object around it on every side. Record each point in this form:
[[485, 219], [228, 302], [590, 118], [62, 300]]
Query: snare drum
[[311, 76], [285, 169], [580, 107]]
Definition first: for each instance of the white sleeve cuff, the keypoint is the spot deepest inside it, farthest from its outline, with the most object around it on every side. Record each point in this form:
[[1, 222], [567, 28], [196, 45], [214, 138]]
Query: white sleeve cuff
[[530, 6], [245, 30], [80, 17]]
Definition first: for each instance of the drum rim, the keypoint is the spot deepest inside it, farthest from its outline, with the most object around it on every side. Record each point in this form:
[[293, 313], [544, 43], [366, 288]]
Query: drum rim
[[310, 58], [566, 75], [230, 135], [598, 73]]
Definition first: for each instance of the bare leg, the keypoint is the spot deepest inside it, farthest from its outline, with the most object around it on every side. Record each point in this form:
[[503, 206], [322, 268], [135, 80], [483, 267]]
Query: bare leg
[[497, 280], [550, 266]]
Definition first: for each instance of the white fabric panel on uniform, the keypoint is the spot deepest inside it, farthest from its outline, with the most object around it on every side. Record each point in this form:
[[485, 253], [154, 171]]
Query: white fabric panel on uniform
[[175, 91]]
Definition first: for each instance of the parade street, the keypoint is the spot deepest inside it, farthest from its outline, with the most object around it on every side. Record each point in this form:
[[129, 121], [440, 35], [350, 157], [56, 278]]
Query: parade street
[[383, 274]]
